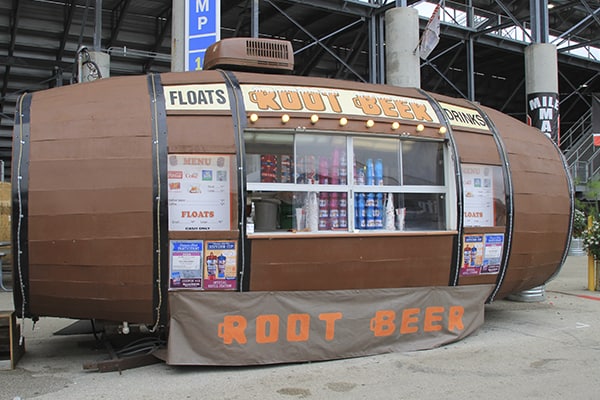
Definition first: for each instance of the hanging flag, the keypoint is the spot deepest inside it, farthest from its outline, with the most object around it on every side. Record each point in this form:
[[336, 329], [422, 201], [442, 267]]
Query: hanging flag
[[431, 35]]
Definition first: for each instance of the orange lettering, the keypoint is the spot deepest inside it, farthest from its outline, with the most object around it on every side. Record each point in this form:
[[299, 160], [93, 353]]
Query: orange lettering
[[455, 315], [264, 100], [290, 100], [233, 328], [432, 315], [333, 102], [262, 321], [382, 324], [404, 109], [293, 333], [330, 319], [420, 112], [313, 101], [367, 104], [409, 317], [388, 107]]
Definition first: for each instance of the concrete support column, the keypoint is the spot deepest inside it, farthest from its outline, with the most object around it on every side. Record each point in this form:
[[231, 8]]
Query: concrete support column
[[402, 61], [178, 36], [541, 87]]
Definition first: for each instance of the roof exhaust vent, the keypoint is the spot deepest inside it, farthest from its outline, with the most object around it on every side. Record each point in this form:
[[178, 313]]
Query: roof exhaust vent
[[251, 54]]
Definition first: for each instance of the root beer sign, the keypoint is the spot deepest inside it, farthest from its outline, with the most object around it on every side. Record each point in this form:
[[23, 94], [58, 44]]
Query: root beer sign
[[336, 101], [271, 327]]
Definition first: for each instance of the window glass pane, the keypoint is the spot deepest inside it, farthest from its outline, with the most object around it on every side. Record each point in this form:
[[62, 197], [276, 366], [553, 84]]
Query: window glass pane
[[321, 159], [422, 211], [269, 157], [423, 163], [300, 211], [376, 161]]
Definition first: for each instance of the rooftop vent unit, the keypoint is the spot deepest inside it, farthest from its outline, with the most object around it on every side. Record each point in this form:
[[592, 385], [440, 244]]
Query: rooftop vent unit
[[251, 54]]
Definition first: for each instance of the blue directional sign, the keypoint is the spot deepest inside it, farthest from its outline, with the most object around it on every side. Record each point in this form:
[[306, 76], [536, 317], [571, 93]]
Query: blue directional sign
[[203, 26]]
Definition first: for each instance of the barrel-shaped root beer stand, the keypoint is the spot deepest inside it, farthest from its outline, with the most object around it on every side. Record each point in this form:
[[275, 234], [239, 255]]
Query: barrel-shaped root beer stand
[[261, 218]]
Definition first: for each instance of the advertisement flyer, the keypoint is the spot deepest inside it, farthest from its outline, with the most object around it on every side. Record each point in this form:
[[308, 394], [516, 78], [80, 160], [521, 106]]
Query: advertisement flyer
[[472, 255], [478, 195], [493, 245], [220, 265], [199, 198], [186, 264]]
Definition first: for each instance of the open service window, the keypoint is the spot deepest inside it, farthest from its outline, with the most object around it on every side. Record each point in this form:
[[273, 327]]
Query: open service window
[[323, 182]]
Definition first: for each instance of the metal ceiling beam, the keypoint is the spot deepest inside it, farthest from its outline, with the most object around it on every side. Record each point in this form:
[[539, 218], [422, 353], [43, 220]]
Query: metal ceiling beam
[[69, 10], [327, 49], [352, 7], [14, 22], [581, 25], [119, 11], [163, 29]]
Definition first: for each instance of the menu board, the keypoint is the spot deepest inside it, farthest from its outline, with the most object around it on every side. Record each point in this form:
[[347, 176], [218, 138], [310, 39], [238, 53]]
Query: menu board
[[478, 195], [199, 192]]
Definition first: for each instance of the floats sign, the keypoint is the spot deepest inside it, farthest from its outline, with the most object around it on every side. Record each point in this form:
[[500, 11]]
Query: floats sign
[[211, 97], [245, 328]]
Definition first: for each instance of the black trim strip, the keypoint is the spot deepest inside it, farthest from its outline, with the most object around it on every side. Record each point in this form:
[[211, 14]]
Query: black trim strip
[[508, 187], [457, 246], [238, 114], [20, 208], [160, 212]]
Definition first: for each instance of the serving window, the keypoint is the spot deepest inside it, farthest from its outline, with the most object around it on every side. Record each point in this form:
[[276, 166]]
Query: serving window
[[318, 182]]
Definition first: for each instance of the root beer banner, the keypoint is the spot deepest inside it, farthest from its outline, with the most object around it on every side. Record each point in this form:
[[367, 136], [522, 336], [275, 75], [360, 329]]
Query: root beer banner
[[543, 113], [278, 327]]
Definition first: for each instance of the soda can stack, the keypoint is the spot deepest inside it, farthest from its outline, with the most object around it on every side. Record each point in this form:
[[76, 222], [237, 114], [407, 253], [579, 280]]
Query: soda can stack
[[334, 212], [323, 211], [370, 210], [378, 211], [268, 168], [286, 168], [343, 211], [361, 212]]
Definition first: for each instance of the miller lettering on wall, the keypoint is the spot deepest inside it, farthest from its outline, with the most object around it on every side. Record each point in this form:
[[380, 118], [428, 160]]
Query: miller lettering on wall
[[543, 113]]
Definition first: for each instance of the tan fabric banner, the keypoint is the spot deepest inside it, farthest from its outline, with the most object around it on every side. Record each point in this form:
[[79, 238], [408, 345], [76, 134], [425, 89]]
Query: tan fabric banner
[[217, 328]]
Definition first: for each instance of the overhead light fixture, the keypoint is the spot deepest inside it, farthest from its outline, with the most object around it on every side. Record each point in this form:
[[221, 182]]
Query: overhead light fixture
[[443, 130], [285, 118], [550, 6], [343, 121], [395, 125], [253, 117], [314, 118], [420, 128], [370, 123]]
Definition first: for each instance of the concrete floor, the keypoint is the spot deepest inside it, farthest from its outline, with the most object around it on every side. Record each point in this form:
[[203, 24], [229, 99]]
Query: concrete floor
[[542, 350]]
